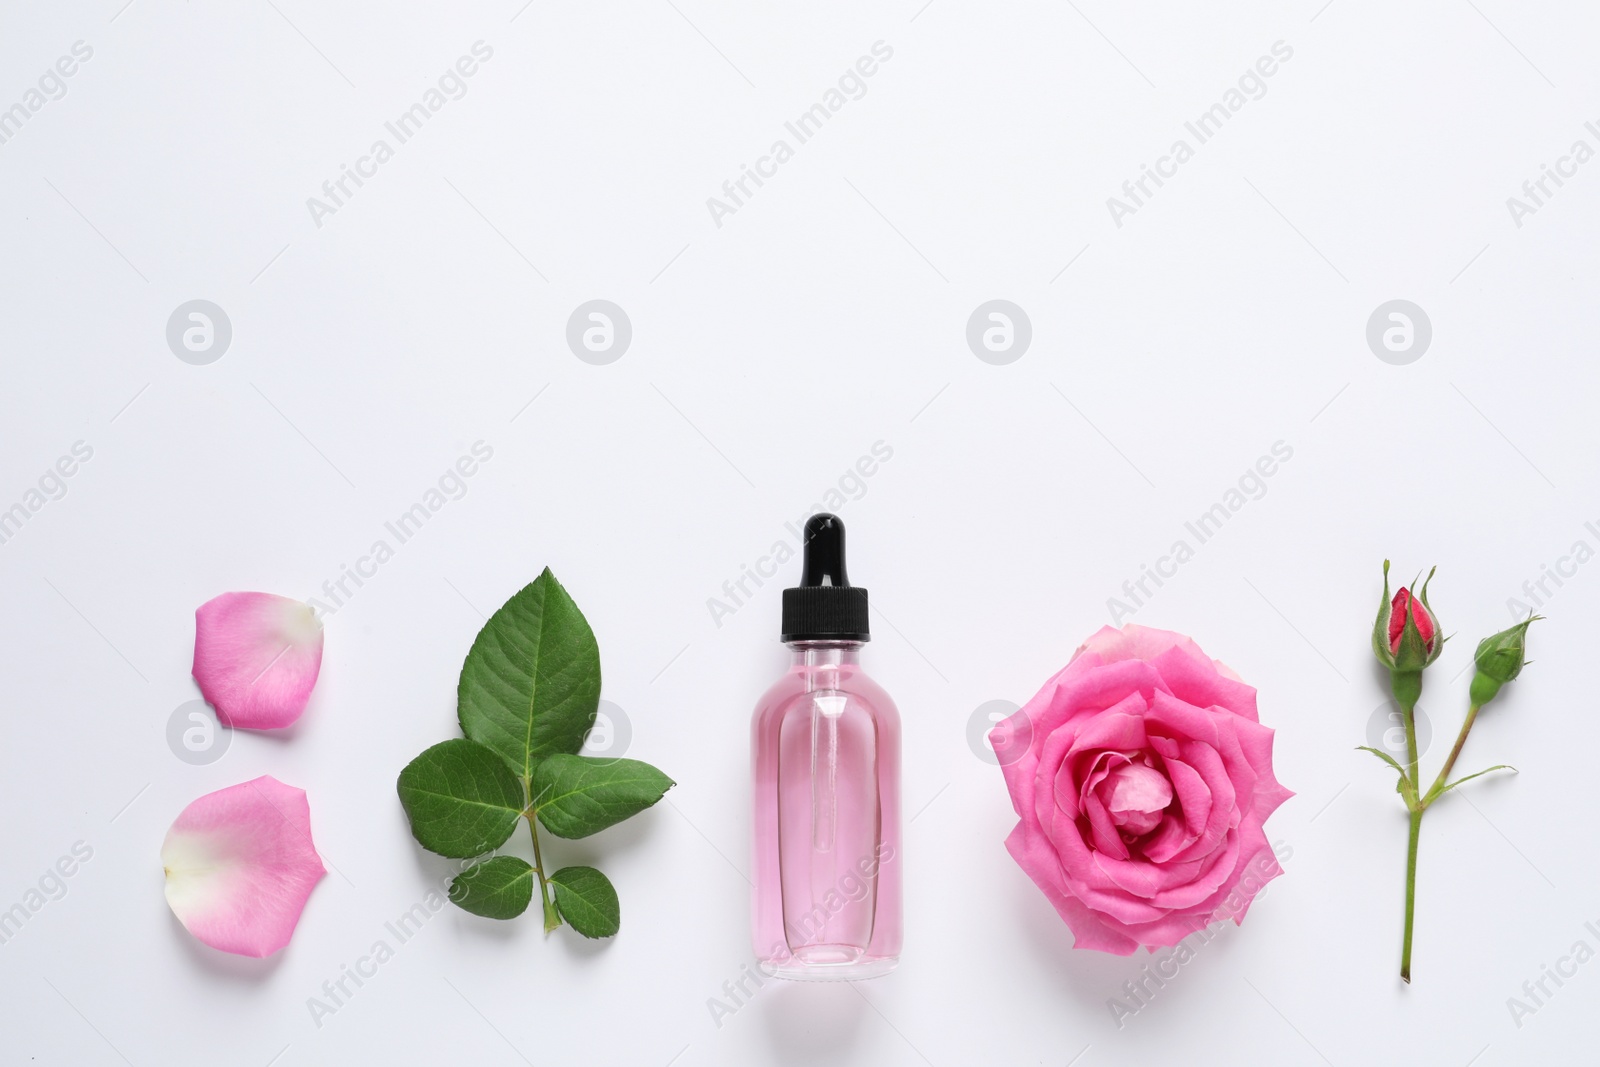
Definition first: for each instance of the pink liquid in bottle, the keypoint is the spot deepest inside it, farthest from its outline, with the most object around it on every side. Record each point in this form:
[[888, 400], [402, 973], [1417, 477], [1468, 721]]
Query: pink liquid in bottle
[[826, 747]]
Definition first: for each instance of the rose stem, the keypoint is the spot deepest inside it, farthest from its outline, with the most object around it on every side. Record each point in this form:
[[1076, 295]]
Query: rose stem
[[551, 918], [1415, 808], [1449, 763], [1411, 892]]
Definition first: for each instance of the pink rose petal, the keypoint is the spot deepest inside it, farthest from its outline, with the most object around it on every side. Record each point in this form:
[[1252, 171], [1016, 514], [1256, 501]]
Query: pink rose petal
[[1405, 604], [1137, 642], [1035, 856], [1104, 829], [240, 865], [256, 657], [1205, 683]]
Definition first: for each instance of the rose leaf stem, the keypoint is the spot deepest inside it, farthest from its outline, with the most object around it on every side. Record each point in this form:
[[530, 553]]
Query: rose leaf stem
[[552, 918], [1450, 761]]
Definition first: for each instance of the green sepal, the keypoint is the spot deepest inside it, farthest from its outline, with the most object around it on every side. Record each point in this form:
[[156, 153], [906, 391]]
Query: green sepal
[[1381, 754], [1470, 777], [1402, 784], [1380, 628]]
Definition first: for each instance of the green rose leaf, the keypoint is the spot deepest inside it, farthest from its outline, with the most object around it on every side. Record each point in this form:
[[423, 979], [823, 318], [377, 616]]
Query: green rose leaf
[[498, 888], [528, 695], [530, 686], [461, 798], [587, 901], [575, 796]]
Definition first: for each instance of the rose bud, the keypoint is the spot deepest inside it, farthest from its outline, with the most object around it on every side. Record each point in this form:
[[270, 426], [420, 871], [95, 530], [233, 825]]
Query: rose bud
[[1500, 658], [1405, 638]]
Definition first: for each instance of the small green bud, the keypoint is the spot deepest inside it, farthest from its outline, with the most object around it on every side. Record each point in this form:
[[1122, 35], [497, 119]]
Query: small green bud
[[1499, 659]]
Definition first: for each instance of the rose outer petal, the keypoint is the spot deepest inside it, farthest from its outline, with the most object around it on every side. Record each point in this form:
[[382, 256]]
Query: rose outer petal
[[256, 657], [240, 865], [1196, 679], [1038, 860], [1136, 642]]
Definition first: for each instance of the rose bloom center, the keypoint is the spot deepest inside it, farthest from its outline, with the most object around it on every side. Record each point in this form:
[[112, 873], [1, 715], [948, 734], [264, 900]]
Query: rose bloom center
[[1135, 795]]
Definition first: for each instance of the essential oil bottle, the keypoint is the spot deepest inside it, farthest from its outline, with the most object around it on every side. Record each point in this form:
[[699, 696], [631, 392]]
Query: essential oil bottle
[[826, 747]]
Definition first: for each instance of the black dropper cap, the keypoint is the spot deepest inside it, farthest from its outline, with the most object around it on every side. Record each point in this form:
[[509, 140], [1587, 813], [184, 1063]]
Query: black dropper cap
[[825, 606]]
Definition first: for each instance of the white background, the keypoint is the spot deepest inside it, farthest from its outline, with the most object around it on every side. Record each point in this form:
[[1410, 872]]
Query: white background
[[769, 354]]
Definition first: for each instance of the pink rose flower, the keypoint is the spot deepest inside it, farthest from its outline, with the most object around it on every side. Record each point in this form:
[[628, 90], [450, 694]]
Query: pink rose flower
[[1143, 791]]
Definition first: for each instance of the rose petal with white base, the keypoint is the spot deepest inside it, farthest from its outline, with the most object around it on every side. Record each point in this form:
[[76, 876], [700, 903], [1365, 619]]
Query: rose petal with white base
[[240, 865], [256, 657]]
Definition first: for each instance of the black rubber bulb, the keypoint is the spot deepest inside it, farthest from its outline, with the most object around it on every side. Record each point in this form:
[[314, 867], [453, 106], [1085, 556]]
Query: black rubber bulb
[[824, 552]]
